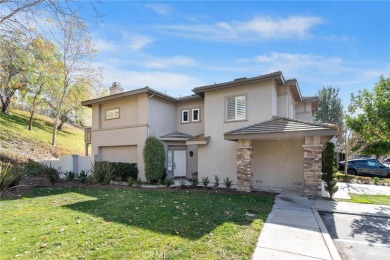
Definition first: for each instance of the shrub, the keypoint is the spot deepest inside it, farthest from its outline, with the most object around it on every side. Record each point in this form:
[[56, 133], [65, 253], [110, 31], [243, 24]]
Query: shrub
[[51, 173], [82, 177], [169, 182], [205, 181], [70, 176], [228, 183], [365, 180], [182, 184], [102, 172], [216, 181], [328, 170], [194, 182], [9, 176], [32, 168], [130, 181], [345, 177], [376, 180], [138, 182], [154, 158], [123, 171]]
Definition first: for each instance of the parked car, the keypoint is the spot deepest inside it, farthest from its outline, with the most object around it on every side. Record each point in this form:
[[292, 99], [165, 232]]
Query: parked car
[[366, 167], [387, 160]]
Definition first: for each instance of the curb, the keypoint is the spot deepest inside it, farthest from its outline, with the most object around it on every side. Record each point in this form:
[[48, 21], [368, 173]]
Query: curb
[[365, 214], [328, 240]]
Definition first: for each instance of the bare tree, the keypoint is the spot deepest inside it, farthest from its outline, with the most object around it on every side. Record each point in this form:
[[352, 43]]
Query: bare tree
[[73, 42]]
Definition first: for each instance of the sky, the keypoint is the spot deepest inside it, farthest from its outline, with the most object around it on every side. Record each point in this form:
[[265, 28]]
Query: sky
[[176, 46]]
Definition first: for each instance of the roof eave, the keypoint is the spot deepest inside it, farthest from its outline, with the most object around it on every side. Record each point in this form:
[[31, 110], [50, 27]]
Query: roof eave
[[280, 135]]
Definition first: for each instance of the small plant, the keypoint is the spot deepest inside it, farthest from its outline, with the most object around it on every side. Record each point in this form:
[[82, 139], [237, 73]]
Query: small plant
[[182, 184], [130, 181], [376, 180], [138, 182], [205, 181], [158, 183], [169, 182], [216, 181], [228, 183], [82, 176], [33, 168], [194, 182], [9, 176], [102, 172], [70, 176], [51, 173]]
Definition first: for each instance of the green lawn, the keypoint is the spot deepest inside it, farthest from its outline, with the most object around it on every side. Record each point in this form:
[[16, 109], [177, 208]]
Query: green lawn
[[370, 199], [14, 133], [132, 223]]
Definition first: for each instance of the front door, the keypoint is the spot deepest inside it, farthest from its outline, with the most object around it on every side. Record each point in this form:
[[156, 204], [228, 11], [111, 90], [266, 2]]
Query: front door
[[179, 163]]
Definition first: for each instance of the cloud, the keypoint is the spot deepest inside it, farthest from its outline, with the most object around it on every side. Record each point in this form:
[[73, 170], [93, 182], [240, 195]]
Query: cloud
[[102, 45], [175, 61], [136, 41], [162, 9], [258, 28]]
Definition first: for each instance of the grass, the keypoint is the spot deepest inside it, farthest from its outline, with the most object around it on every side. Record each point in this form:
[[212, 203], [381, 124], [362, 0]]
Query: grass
[[370, 199], [14, 135], [108, 223]]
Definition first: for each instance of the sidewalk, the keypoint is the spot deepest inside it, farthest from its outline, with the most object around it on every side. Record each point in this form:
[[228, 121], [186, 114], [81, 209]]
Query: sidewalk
[[292, 231]]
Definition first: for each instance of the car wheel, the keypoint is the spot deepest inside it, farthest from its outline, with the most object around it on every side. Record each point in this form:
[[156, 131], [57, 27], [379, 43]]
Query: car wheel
[[352, 172]]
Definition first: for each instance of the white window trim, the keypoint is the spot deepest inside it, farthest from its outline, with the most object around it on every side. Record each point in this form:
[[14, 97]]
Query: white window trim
[[112, 109], [192, 114], [246, 108], [188, 115]]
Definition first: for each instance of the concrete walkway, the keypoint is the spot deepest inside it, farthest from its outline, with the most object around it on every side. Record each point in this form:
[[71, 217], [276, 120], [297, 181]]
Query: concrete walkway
[[293, 231], [345, 188]]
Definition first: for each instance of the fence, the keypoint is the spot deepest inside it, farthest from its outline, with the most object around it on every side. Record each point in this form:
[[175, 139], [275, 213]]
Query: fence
[[75, 163]]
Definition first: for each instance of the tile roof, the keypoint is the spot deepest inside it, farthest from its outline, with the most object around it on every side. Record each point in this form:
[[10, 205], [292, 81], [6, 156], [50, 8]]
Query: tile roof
[[176, 135], [281, 125]]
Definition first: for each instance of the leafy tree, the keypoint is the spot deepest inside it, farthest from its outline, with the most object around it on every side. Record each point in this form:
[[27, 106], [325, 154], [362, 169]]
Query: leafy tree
[[154, 159], [330, 109], [328, 171], [15, 67], [378, 148], [372, 109]]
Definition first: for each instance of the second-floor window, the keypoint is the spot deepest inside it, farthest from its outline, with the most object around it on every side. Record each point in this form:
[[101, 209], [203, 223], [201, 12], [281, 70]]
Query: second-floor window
[[195, 115], [112, 113], [236, 108], [185, 116]]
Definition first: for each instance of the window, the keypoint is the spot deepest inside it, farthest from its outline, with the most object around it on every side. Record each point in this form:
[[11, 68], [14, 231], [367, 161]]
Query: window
[[236, 108], [185, 118], [112, 113], [195, 115]]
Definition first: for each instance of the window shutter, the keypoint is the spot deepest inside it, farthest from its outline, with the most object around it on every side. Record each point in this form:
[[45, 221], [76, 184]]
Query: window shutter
[[240, 108], [231, 107], [236, 108]]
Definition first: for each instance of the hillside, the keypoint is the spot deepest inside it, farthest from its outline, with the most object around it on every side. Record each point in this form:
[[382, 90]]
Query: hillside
[[18, 144]]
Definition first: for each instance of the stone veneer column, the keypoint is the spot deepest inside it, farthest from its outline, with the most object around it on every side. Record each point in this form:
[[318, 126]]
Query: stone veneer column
[[312, 170], [244, 165]]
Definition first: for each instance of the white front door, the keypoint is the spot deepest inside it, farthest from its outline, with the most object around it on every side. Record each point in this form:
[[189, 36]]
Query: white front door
[[179, 163]]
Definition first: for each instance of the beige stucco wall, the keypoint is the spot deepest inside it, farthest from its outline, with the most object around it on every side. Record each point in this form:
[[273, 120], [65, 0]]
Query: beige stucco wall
[[219, 156], [129, 130], [286, 104], [162, 114], [303, 111], [191, 128], [125, 153], [278, 164]]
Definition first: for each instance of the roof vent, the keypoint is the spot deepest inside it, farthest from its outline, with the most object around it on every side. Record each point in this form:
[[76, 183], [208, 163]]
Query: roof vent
[[116, 88], [239, 79]]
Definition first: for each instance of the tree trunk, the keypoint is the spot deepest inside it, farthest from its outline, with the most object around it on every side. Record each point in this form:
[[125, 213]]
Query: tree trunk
[[63, 119], [31, 119], [346, 165], [6, 103], [55, 125]]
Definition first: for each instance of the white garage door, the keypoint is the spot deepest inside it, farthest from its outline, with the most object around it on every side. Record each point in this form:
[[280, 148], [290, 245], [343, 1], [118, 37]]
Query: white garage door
[[127, 153]]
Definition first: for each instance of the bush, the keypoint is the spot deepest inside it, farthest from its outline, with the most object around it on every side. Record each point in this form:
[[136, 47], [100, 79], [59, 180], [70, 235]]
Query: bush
[[228, 183], [138, 182], [70, 176], [345, 177], [32, 168], [154, 159], [123, 171], [182, 184], [51, 173], [365, 180], [376, 180], [169, 182], [205, 181], [194, 182], [9, 176], [102, 172], [328, 170], [82, 177], [130, 181], [216, 181]]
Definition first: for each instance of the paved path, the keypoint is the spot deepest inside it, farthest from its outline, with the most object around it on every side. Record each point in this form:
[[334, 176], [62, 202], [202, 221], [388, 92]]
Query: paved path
[[292, 231]]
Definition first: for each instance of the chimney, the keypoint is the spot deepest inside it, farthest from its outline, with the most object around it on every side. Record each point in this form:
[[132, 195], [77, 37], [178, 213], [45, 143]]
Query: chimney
[[116, 88]]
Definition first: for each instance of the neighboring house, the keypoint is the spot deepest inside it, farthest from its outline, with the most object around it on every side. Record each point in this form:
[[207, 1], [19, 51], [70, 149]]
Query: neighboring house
[[255, 131]]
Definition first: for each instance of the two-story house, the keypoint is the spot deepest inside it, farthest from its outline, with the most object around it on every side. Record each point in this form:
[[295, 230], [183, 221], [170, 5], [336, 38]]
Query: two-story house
[[255, 131]]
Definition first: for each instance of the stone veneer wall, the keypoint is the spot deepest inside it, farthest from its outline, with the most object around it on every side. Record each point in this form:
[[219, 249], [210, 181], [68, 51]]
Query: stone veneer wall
[[244, 168], [312, 170]]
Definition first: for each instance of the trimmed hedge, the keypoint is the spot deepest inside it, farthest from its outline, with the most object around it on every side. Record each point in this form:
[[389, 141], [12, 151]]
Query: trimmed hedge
[[124, 171], [154, 159]]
